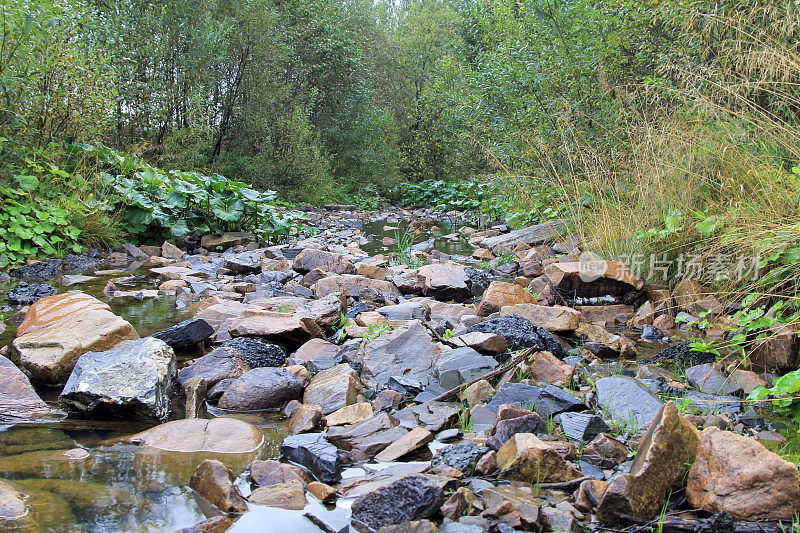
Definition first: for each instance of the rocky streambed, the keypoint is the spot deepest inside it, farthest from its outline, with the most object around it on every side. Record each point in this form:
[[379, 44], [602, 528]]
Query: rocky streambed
[[495, 381]]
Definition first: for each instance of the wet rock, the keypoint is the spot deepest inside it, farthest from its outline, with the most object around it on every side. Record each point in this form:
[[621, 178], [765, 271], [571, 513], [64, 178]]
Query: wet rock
[[432, 415], [737, 475], [350, 414], [359, 287], [405, 352], [523, 500], [281, 327], [219, 364], [458, 366], [170, 251], [368, 437], [406, 498], [462, 456], [409, 442], [313, 452], [582, 427], [38, 271], [521, 333], [261, 388], [216, 435], [311, 258], [333, 388], [216, 524], [256, 352], [12, 503], [524, 458], [556, 519], [446, 281], [665, 453], [266, 473], [501, 294], [49, 353], [682, 355], [605, 451], [709, 379], [552, 318], [214, 481], [18, 401], [304, 419], [134, 380], [24, 294], [627, 400], [186, 334], [194, 391], [458, 504], [289, 495]]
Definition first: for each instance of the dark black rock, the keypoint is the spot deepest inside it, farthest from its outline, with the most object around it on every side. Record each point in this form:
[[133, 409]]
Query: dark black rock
[[588, 469], [480, 281], [25, 294], [462, 456], [405, 385], [651, 333], [313, 452], [554, 400], [682, 355], [261, 388], [522, 333], [215, 393], [256, 352], [79, 263], [517, 394], [407, 498], [186, 334], [38, 271], [582, 427]]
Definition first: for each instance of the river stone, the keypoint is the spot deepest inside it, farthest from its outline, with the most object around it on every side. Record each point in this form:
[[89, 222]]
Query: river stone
[[304, 419], [590, 279], [628, 401], [709, 379], [244, 262], [545, 233], [290, 495], [216, 524], [217, 435], [446, 281], [521, 333], [739, 476], [405, 498], [24, 294], [368, 437], [503, 294], [57, 307], [134, 380], [333, 388], [214, 481], [431, 415], [486, 343], [408, 352], [311, 258], [18, 401], [316, 349], [462, 456], [12, 503], [266, 473], [38, 270], [525, 458], [313, 452], [186, 334], [221, 363], [359, 287], [325, 311], [350, 414], [665, 454], [582, 427], [256, 352], [454, 367], [261, 388], [282, 327], [555, 318], [414, 439], [50, 353]]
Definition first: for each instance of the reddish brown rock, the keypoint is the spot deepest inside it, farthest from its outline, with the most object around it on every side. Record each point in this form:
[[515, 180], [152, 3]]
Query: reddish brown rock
[[214, 481], [501, 294]]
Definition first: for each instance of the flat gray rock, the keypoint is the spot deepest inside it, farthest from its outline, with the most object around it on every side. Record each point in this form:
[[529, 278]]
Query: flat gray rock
[[627, 401]]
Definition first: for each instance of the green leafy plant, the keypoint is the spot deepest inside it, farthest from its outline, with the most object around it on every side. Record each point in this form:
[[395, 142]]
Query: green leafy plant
[[405, 253], [784, 395], [704, 347]]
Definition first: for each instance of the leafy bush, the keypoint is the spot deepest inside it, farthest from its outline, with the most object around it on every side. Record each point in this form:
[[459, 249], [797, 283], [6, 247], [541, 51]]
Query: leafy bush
[[443, 195], [784, 392], [155, 203]]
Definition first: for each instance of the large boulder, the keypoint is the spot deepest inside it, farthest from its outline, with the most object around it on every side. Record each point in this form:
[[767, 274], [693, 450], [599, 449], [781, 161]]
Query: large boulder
[[58, 307], [521, 333], [665, 454], [502, 294], [311, 258], [333, 388], [280, 327], [399, 500], [49, 353], [737, 475], [18, 401], [628, 401], [12, 504], [217, 435], [407, 352], [261, 388], [134, 380], [186, 334], [591, 279], [446, 281], [545, 233]]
